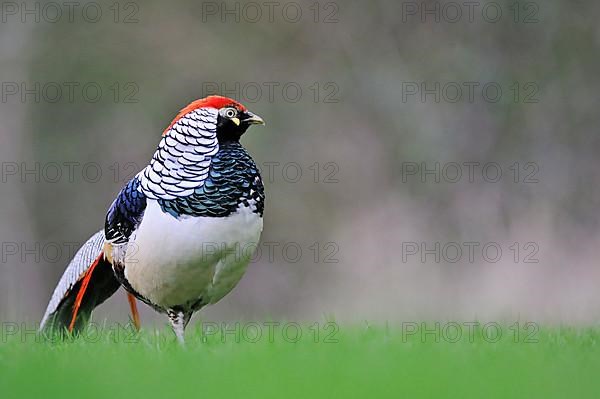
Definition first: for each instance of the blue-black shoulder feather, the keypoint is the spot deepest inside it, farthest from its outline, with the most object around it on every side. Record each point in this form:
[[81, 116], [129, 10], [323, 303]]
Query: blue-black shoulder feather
[[125, 213]]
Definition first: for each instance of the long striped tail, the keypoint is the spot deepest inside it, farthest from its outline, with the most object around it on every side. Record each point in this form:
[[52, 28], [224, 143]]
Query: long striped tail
[[87, 282]]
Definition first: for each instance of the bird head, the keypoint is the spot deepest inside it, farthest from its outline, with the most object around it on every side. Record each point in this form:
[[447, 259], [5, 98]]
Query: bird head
[[181, 163], [231, 118]]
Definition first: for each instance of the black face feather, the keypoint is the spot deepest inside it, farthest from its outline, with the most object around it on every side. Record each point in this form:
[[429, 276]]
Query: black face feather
[[227, 130]]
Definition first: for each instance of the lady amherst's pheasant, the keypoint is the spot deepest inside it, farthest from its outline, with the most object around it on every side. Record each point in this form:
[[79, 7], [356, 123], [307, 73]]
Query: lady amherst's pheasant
[[172, 237]]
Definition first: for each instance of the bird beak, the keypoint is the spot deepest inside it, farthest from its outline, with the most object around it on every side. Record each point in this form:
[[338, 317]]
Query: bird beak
[[252, 119]]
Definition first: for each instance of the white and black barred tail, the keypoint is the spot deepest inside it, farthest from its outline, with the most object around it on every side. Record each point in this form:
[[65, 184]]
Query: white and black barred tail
[[89, 268]]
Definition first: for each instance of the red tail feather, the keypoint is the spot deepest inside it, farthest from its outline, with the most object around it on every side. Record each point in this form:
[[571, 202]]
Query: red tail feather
[[82, 289]]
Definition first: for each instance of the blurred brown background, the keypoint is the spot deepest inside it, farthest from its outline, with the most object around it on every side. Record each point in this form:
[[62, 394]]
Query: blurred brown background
[[357, 131]]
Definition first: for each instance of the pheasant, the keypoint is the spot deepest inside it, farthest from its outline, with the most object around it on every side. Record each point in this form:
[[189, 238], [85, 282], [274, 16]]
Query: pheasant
[[177, 235]]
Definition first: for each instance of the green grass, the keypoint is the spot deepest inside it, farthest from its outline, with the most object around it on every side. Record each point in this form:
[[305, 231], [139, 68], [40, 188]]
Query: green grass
[[365, 362]]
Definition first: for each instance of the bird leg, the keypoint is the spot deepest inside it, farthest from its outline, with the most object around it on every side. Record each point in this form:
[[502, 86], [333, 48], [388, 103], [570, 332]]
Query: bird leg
[[179, 320], [135, 316]]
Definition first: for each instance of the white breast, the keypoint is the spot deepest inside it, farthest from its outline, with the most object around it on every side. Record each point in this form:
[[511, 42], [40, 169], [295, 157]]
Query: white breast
[[174, 261]]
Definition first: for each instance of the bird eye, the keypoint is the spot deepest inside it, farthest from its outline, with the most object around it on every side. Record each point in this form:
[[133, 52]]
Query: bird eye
[[230, 112]]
